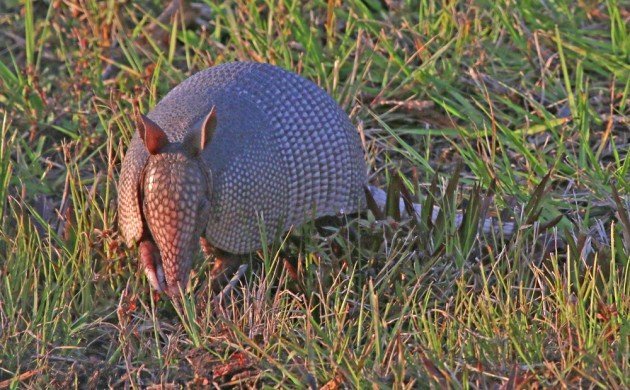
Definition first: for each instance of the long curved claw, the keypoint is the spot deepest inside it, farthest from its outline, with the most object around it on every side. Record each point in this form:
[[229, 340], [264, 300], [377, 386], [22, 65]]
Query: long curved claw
[[151, 264]]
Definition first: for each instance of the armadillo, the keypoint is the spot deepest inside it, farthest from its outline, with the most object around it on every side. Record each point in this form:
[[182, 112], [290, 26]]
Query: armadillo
[[235, 153]]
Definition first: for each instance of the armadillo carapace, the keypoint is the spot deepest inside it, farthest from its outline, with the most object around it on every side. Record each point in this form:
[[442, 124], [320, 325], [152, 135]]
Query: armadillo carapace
[[234, 150]]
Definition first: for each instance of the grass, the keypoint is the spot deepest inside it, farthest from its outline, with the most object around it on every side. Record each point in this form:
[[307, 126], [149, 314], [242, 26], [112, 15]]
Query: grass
[[529, 98]]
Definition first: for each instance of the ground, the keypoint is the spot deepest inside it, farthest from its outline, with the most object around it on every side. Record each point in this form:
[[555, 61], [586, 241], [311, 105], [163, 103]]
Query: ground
[[511, 109]]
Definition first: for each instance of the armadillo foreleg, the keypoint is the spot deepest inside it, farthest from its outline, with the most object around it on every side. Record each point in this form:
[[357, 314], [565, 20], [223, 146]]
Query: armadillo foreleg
[[151, 263], [225, 264]]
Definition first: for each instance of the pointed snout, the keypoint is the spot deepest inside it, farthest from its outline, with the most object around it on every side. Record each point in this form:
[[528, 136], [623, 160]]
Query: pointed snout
[[177, 273], [168, 274]]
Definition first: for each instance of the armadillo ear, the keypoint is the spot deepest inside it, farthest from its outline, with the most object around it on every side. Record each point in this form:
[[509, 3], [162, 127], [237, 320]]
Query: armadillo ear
[[208, 127], [198, 139], [152, 135]]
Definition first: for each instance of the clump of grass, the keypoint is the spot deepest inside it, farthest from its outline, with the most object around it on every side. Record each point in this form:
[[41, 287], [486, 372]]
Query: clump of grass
[[529, 100]]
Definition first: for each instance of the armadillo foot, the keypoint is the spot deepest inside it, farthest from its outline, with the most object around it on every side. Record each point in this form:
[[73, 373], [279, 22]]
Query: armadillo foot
[[225, 265], [151, 263], [206, 247]]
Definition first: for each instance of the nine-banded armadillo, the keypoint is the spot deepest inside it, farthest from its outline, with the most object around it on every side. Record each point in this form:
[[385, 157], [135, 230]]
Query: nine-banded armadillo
[[234, 150]]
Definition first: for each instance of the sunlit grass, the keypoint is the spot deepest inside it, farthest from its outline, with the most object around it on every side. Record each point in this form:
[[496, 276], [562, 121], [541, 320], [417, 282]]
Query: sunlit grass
[[530, 99]]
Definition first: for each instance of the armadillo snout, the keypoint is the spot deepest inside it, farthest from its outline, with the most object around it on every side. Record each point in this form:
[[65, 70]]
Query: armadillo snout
[[173, 192]]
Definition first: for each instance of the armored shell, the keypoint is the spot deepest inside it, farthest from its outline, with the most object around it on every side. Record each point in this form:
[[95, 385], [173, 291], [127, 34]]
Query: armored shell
[[282, 152]]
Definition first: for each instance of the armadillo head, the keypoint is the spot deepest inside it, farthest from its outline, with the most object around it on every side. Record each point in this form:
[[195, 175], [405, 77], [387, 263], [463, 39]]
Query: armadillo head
[[176, 189]]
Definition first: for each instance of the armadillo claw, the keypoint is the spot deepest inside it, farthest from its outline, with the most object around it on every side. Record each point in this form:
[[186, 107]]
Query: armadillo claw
[[152, 265]]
